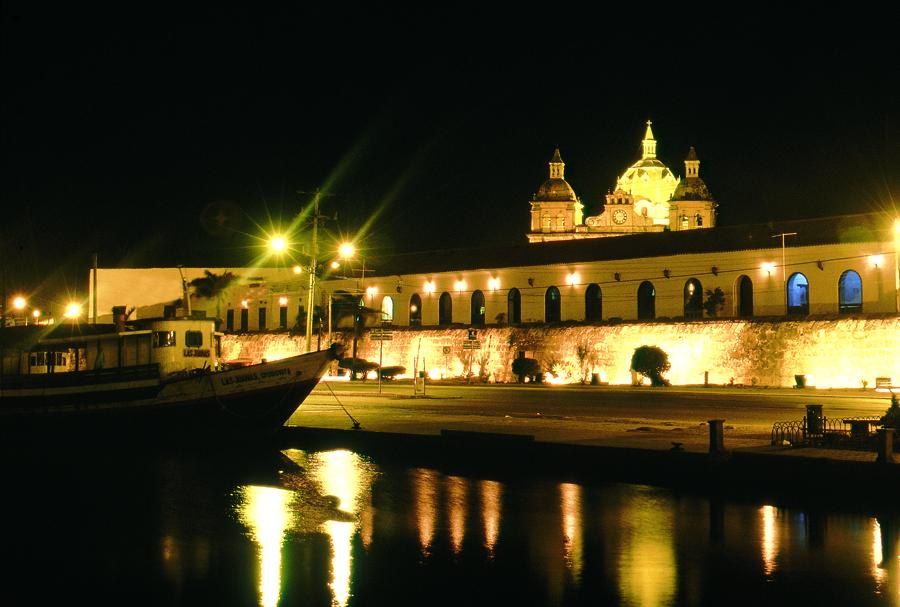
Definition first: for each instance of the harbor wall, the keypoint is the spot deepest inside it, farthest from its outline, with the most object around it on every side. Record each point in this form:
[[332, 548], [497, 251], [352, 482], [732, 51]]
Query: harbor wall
[[841, 352]]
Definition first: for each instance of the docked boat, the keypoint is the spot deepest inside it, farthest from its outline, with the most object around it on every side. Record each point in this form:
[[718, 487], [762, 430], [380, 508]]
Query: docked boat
[[156, 375]]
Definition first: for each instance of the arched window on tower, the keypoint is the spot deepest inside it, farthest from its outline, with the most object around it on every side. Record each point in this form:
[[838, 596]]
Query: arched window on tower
[[415, 310], [646, 301], [744, 297], [514, 306], [445, 309], [477, 308], [552, 305], [849, 293], [593, 303], [693, 299], [798, 294]]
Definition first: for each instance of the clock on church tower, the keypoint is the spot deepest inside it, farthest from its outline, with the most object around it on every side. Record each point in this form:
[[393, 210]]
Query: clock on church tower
[[619, 216]]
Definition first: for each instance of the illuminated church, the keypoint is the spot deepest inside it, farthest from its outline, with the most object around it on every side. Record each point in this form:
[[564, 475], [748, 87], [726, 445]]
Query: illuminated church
[[648, 197]]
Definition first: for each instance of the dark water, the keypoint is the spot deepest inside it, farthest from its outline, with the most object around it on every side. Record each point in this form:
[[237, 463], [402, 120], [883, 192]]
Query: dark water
[[129, 527]]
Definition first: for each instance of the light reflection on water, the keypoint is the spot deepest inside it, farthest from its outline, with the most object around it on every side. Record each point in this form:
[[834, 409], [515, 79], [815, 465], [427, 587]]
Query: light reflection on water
[[622, 544]]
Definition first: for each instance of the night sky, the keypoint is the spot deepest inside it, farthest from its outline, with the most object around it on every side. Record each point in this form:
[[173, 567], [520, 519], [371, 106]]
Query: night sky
[[135, 135]]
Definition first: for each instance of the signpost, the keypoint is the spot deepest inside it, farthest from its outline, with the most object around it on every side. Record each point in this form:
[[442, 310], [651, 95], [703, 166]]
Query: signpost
[[381, 335]]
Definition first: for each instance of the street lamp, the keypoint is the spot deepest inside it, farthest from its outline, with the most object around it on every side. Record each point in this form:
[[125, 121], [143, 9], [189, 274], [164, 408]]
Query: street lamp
[[73, 310], [896, 266]]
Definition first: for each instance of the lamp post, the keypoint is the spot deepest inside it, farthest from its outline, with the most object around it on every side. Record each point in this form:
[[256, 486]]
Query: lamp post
[[896, 266], [347, 252], [783, 268]]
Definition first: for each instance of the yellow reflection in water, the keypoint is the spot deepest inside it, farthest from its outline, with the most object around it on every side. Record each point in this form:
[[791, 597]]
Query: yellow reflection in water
[[647, 567], [265, 511], [770, 539], [570, 504], [491, 494], [456, 502], [877, 556], [425, 490], [347, 476]]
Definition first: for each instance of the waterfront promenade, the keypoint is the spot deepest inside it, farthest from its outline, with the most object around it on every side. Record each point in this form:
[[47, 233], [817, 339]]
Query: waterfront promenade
[[652, 436]]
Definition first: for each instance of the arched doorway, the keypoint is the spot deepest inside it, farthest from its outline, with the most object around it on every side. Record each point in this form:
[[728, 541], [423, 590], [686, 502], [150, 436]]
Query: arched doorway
[[445, 309], [798, 294], [593, 303], [646, 301], [387, 309], [477, 308], [849, 293], [415, 310], [514, 306], [744, 297], [552, 307], [693, 299]]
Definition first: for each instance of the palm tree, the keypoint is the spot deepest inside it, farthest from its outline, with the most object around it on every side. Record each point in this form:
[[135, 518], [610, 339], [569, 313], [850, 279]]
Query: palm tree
[[213, 286]]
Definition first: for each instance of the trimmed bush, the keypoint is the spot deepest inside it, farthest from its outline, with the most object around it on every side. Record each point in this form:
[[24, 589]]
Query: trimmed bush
[[526, 367], [651, 362]]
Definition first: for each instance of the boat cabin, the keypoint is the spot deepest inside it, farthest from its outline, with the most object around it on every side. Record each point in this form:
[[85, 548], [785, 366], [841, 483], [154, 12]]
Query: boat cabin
[[176, 345]]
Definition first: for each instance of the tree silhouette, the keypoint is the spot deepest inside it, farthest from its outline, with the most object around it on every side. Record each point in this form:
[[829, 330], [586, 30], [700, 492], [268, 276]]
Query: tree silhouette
[[213, 286]]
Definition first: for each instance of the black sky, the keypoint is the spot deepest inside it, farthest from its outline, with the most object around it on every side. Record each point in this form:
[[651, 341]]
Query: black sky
[[124, 132]]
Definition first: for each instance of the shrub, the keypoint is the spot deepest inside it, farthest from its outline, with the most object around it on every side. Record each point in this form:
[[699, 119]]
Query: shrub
[[891, 418], [651, 362], [526, 367], [389, 372], [357, 366]]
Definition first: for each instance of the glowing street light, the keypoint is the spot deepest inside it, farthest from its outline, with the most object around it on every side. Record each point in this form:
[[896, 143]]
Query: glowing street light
[[346, 250], [73, 310], [19, 303], [278, 244], [36, 314], [298, 270]]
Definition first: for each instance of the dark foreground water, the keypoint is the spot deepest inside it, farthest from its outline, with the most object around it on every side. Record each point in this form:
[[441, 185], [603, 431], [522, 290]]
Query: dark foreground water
[[129, 527]]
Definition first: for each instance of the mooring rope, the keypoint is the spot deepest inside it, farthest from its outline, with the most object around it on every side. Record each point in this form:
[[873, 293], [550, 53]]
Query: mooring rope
[[356, 425]]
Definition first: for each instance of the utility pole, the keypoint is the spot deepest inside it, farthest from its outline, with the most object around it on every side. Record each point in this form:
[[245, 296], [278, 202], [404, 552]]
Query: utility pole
[[783, 267], [314, 252]]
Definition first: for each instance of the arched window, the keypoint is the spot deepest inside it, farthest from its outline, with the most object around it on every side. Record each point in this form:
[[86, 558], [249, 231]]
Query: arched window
[[693, 299], [646, 301], [415, 310], [798, 294], [477, 308], [593, 303], [744, 297], [445, 309], [552, 305], [387, 309], [514, 306], [849, 293]]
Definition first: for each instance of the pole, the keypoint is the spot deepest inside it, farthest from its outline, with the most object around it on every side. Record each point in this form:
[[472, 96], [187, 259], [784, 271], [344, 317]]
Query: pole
[[312, 273], [783, 268], [380, 358], [94, 289], [896, 267], [329, 319]]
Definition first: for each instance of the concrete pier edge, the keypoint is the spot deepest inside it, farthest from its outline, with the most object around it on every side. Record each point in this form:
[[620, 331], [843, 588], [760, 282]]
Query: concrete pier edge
[[750, 473]]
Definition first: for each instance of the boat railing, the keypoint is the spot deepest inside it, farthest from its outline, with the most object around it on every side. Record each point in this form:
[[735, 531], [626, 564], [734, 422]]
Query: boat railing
[[81, 378]]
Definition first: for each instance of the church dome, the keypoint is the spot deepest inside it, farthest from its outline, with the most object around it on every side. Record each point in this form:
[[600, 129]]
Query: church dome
[[648, 178], [555, 190], [692, 188]]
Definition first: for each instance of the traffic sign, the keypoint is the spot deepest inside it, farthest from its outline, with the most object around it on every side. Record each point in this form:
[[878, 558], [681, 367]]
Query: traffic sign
[[471, 344]]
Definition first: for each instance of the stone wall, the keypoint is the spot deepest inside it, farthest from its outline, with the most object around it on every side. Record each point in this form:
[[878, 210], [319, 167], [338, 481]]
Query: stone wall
[[835, 352]]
